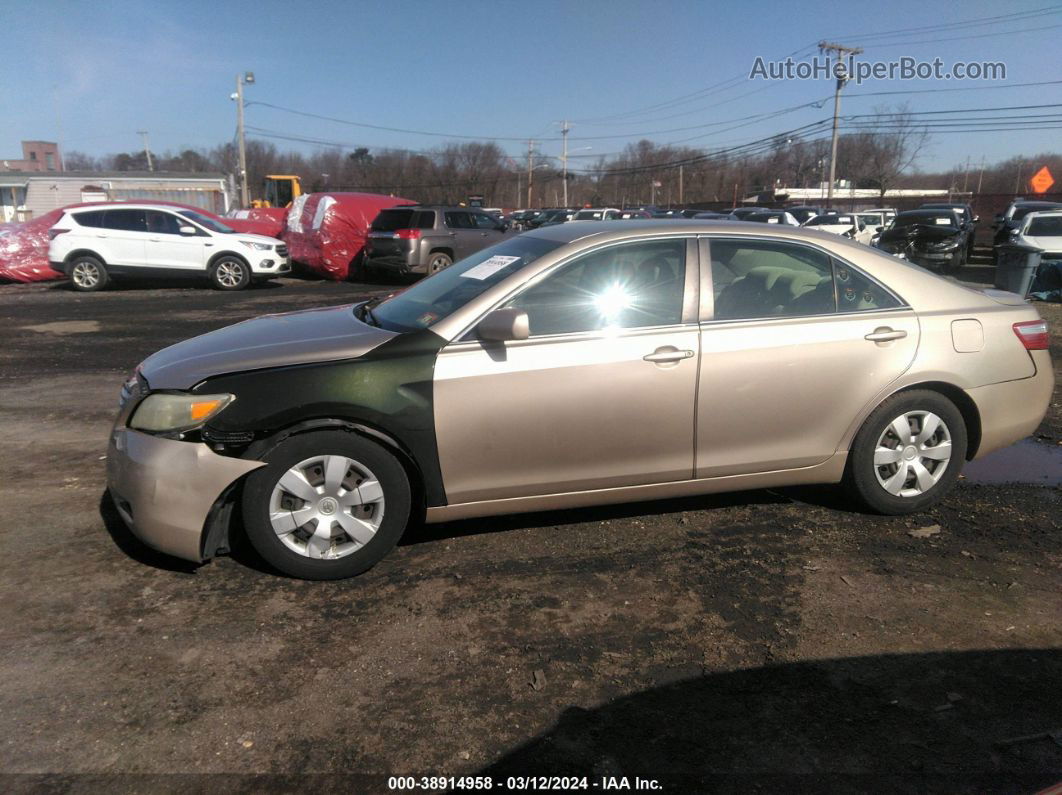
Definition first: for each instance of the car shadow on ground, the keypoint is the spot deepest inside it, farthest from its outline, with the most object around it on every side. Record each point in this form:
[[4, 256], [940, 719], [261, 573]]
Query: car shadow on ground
[[825, 496], [959, 721], [419, 533]]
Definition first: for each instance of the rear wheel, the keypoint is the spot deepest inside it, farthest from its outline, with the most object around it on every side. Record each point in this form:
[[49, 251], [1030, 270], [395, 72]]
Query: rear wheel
[[438, 261], [328, 505], [88, 274], [230, 273], [908, 454]]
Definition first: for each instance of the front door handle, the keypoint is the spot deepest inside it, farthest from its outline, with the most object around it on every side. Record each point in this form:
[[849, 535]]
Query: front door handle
[[885, 334], [667, 354]]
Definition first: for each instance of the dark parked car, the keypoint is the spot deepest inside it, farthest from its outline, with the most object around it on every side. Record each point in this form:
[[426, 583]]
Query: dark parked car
[[804, 212], [966, 215], [710, 216], [427, 239], [740, 213], [934, 239]]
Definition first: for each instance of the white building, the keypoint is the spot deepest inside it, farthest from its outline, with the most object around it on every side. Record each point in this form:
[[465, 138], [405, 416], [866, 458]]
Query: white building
[[25, 194]]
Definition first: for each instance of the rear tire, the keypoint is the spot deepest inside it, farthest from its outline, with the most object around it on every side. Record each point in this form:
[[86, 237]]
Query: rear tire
[[354, 505], [87, 274], [230, 273], [908, 454], [438, 261]]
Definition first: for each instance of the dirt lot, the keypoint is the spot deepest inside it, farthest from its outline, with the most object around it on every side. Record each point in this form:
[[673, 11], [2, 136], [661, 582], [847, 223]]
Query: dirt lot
[[770, 639]]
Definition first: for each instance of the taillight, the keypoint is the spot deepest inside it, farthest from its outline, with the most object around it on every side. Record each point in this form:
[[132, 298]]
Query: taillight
[[407, 234], [1033, 334], [54, 232]]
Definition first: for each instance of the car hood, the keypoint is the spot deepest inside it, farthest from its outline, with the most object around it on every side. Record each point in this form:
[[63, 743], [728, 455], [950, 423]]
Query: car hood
[[1049, 243], [253, 238], [919, 232], [311, 335]]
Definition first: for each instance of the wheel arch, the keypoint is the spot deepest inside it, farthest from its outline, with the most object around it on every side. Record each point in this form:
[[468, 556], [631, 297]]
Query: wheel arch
[[227, 253], [82, 252], [350, 425], [441, 249], [963, 402]]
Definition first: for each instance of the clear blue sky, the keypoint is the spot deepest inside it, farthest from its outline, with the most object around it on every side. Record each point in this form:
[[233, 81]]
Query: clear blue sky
[[95, 73]]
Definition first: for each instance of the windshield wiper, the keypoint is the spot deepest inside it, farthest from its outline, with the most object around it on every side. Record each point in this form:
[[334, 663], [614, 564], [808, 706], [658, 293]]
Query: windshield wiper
[[367, 315]]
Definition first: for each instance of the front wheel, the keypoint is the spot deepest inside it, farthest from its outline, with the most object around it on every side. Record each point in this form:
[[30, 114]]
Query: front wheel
[[908, 454], [230, 273], [328, 505]]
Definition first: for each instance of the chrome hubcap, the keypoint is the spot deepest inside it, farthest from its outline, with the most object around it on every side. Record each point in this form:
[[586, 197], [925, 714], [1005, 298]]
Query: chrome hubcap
[[437, 264], [230, 274], [326, 507], [912, 453], [85, 274]]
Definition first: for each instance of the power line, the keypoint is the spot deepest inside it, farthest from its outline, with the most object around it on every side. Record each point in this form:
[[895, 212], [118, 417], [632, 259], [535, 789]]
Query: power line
[[993, 35], [969, 23], [939, 90]]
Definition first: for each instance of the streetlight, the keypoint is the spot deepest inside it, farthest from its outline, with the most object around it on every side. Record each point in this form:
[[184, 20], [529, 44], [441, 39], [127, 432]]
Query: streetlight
[[248, 79]]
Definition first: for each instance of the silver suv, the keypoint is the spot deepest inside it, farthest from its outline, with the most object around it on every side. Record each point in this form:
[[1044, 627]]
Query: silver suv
[[424, 239]]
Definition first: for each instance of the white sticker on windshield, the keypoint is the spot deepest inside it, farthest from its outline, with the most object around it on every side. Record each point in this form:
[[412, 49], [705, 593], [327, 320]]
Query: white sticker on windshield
[[942, 221], [489, 267]]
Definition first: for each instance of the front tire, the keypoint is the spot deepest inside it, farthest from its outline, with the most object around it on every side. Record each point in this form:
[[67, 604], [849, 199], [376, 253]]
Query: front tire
[[230, 273], [88, 274], [908, 454], [328, 505]]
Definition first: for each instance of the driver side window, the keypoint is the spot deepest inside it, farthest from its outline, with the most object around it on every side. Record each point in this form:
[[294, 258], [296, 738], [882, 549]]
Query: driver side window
[[635, 285]]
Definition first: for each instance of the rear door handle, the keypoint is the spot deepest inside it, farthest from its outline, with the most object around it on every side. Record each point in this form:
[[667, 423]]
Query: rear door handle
[[667, 354], [885, 334]]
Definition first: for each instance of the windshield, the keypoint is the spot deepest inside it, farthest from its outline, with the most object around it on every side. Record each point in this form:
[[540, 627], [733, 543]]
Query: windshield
[[1020, 212], [589, 215], [430, 300], [205, 220], [1045, 227], [927, 219]]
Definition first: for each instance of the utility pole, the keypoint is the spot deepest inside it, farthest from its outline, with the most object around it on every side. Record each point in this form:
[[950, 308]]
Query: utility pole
[[680, 185], [248, 78], [564, 158], [841, 72], [980, 175], [530, 169], [147, 148], [966, 176]]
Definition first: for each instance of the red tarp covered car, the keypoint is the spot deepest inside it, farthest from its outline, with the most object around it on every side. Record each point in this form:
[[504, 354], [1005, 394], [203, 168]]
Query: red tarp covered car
[[24, 247], [326, 232]]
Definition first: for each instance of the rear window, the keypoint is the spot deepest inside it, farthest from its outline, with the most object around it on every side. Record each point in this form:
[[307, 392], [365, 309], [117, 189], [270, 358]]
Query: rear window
[[588, 215], [390, 220], [1045, 227], [126, 220], [93, 219]]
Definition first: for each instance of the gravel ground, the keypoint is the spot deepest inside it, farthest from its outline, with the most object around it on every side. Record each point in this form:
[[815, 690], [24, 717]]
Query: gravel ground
[[769, 639]]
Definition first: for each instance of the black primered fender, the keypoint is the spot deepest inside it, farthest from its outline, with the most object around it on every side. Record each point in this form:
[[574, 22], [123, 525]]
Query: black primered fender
[[387, 391]]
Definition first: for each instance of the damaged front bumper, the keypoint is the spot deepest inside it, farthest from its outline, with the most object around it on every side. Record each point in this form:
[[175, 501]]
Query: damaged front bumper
[[165, 489]]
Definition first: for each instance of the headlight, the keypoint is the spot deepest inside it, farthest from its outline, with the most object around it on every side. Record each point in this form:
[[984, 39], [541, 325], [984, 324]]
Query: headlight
[[943, 245], [163, 412], [257, 246]]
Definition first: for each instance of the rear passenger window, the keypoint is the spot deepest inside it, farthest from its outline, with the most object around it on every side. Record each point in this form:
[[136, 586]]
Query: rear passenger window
[[92, 219], [458, 220], [764, 279], [425, 219], [484, 221], [125, 220]]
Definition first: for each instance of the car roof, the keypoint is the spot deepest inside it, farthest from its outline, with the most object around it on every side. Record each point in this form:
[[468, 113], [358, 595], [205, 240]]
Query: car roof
[[606, 231], [96, 206]]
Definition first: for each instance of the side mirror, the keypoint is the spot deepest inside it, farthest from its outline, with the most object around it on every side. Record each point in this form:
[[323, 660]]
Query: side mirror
[[879, 229], [187, 231], [502, 325], [976, 219], [1014, 231]]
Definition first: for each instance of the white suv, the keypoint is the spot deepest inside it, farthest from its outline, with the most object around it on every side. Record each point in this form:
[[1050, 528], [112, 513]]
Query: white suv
[[92, 244]]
